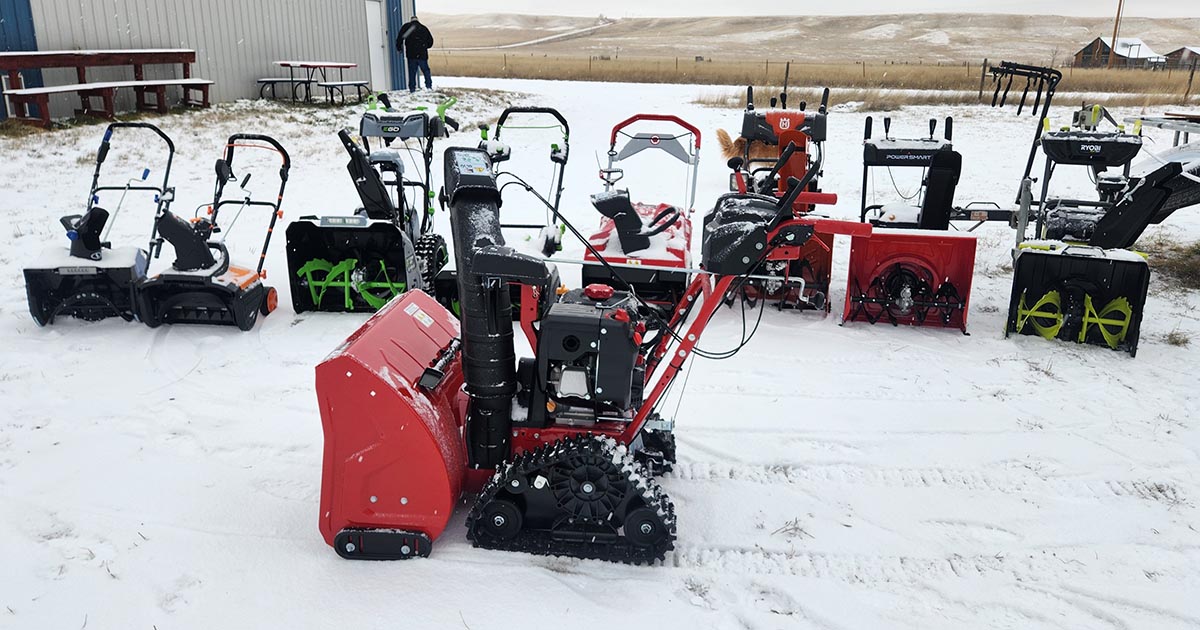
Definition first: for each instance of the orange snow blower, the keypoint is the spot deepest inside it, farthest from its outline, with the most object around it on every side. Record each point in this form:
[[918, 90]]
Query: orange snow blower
[[560, 448]]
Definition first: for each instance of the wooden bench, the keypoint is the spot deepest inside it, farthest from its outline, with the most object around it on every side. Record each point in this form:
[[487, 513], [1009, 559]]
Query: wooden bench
[[26, 99], [296, 84], [106, 92], [339, 87]]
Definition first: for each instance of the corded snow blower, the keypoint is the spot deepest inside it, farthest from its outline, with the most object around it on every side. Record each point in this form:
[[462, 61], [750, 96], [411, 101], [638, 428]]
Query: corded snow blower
[[650, 243], [203, 286], [93, 280], [559, 448], [357, 263]]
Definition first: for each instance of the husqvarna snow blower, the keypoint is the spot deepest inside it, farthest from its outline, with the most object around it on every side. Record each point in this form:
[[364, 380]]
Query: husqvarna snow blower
[[90, 279], [357, 263], [203, 286], [649, 243], [798, 135], [558, 448]]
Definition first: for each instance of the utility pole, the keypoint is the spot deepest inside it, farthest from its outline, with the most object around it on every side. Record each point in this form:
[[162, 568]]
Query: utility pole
[[1112, 49]]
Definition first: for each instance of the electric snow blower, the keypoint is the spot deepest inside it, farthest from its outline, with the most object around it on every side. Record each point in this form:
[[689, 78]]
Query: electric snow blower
[[92, 280], [203, 286], [357, 263], [911, 270], [1078, 281], [650, 243], [559, 448]]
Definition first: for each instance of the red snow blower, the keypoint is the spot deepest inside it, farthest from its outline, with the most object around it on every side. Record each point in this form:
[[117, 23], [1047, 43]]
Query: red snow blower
[[560, 448], [650, 243], [915, 272], [801, 278]]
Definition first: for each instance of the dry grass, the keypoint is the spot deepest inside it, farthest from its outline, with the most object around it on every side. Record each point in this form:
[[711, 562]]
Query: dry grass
[[1177, 338], [865, 76], [1178, 263], [10, 128], [887, 100]]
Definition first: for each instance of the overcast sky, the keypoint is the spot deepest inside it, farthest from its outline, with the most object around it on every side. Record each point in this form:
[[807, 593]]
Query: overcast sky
[[659, 8]]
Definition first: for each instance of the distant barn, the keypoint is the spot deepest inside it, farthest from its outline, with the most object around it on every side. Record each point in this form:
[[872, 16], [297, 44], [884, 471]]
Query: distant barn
[[1184, 57], [1131, 52]]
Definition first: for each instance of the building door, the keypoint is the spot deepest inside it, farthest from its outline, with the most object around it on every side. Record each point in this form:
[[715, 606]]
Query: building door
[[16, 35], [377, 41]]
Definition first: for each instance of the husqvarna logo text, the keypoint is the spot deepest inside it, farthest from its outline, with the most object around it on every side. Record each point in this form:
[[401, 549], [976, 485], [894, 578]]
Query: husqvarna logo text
[[785, 123]]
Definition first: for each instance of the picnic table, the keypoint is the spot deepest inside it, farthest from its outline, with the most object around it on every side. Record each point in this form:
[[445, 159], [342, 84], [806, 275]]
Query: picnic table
[[151, 94], [310, 69]]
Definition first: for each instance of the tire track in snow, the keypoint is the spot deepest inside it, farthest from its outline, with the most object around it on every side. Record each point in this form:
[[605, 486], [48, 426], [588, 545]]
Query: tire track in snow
[[1053, 566], [938, 478]]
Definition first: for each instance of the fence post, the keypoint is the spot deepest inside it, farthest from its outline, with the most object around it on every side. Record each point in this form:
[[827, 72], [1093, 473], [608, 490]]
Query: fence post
[[982, 77], [1191, 77]]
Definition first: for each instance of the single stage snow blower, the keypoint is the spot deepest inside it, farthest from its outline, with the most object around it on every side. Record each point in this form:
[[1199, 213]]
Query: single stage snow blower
[[558, 448], [911, 270], [357, 263], [649, 243], [203, 286], [91, 280]]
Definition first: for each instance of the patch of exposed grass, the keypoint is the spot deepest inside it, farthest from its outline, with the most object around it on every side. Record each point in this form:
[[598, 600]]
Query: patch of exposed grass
[[10, 128], [1178, 263], [1177, 338]]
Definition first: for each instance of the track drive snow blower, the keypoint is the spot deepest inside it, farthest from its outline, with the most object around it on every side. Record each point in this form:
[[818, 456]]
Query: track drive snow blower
[[203, 286], [357, 263], [650, 243], [911, 270], [559, 448], [91, 280]]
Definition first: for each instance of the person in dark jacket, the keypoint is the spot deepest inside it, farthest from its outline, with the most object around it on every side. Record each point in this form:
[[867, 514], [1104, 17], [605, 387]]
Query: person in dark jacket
[[414, 41]]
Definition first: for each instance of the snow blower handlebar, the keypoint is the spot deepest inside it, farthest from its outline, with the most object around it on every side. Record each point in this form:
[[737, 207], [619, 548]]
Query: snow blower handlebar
[[225, 174], [163, 193]]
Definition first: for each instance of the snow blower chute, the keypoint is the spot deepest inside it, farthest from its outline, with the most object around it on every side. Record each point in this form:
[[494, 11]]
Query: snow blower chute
[[358, 263], [203, 286], [558, 448], [91, 280], [650, 243]]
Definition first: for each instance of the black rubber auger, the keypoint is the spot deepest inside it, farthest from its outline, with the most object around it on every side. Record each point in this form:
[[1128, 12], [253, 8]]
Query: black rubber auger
[[582, 497]]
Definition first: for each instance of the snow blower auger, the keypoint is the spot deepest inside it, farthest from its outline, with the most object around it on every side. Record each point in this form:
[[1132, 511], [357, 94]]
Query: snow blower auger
[[650, 243], [203, 286], [91, 280], [800, 280], [911, 270], [549, 233], [358, 263], [559, 448]]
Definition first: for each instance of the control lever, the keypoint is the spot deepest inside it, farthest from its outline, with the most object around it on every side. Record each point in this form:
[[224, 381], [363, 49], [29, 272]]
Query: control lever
[[932, 127], [949, 128], [767, 181], [867, 133]]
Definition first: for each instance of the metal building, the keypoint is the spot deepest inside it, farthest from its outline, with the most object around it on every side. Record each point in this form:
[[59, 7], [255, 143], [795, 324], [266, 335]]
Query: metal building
[[236, 42]]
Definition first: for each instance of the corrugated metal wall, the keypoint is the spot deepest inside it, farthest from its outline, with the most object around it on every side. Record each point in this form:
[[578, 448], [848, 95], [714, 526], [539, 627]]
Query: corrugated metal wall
[[236, 41]]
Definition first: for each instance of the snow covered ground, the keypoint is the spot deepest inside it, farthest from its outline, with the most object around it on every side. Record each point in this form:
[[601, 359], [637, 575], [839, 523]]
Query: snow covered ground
[[830, 477]]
